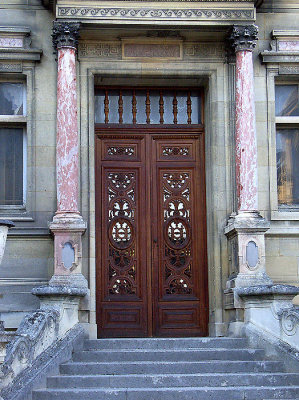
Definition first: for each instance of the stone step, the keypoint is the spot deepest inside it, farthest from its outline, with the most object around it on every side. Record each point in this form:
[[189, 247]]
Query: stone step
[[171, 380], [169, 355], [165, 343], [174, 393], [164, 367]]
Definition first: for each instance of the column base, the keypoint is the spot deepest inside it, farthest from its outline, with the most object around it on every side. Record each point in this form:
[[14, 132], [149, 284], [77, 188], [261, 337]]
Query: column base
[[246, 235], [68, 229], [245, 280], [72, 281]]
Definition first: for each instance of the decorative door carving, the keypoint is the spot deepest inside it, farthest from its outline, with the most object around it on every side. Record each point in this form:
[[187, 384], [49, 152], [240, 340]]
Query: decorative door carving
[[151, 246]]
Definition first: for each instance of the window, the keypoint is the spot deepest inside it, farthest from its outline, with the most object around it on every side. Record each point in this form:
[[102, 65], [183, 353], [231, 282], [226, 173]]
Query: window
[[287, 145], [148, 106], [12, 144]]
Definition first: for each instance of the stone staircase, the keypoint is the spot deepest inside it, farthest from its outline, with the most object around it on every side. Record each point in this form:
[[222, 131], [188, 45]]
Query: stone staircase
[[176, 369]]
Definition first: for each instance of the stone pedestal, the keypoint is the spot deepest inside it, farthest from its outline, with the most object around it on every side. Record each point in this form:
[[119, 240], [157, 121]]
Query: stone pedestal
[[65, 301], [246, 235], [270, 313]]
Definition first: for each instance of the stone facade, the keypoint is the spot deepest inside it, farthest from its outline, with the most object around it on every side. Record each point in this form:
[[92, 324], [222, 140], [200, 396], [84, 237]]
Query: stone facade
[[196, 36]]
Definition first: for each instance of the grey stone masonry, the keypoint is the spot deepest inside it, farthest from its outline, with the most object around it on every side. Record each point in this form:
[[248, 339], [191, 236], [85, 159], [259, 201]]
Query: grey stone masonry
[[176, 369]]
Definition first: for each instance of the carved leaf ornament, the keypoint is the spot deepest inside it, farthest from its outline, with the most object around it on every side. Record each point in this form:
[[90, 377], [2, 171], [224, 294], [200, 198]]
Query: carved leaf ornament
[[122, 233], [177, 234]]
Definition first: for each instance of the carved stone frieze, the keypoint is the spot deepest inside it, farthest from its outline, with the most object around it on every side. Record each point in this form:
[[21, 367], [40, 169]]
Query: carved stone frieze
[[135, 13], [243, 38], [203, 50], [10, 67], [114, 51], [152, 50], [100, 50], [65, 34], [289, 69]]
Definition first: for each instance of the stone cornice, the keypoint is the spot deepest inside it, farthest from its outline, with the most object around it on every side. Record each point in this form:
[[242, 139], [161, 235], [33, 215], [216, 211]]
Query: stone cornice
[[65, 34], [143, 14], [243, 38]]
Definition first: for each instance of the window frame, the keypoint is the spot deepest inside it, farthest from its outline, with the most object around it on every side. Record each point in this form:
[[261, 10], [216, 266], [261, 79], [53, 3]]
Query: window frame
[[17, 121], [279, 212], [24, 171], [22, 212]]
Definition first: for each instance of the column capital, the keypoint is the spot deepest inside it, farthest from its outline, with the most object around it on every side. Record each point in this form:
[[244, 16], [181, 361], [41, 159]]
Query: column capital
[[243, 38], [65, 34]]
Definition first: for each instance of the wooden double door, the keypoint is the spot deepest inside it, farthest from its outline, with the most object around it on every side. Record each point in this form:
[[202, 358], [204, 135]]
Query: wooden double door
[[151, 233]]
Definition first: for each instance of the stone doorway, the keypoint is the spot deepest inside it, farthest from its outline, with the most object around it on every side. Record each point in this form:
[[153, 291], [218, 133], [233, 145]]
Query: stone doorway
[[150, 218]]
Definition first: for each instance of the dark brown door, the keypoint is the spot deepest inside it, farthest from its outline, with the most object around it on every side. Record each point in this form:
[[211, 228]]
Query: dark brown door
[[151, 235]]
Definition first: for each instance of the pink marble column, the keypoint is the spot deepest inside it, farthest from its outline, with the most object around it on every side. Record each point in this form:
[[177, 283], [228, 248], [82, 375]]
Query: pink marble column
[[246, 229], [243, 40], [67, 149], [65, 40], [68, 225]]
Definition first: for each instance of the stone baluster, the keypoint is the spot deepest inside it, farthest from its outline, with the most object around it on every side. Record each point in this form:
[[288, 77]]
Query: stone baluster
[[68, 225]]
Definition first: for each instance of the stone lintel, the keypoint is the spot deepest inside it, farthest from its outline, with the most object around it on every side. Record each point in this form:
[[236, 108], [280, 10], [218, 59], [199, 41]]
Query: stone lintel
[[20, 54], [280, 56], [285, 34], [14, 30], [140, 13]]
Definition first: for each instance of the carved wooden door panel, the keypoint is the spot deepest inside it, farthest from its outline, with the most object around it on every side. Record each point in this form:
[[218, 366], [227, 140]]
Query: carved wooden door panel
[[150, 227], [179, 264]]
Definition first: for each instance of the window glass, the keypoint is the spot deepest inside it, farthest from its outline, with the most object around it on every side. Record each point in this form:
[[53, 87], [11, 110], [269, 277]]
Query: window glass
[[182, 107], [287, 158], [99, 108], [11, 166], [286, 100], [12, 98]]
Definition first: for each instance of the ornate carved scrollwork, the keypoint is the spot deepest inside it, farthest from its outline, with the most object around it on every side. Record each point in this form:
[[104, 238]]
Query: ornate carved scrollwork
[[177, 233], [175, 151], [122, 233], [243, 38], [32, 335], [120, 151], [289, 320], [65, 34]]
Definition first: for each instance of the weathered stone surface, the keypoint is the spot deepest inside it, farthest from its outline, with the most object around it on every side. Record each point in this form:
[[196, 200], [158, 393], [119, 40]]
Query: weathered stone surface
[[59, 290], [269, 310], [4, 226], [47, 363], [261, 290]]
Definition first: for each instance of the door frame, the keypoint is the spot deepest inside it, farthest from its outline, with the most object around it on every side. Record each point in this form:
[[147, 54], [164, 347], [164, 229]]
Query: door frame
[[167, 131]]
